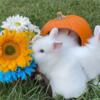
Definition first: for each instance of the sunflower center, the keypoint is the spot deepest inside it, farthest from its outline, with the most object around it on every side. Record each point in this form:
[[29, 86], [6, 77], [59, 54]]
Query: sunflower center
[[17, 23], [11, 50]]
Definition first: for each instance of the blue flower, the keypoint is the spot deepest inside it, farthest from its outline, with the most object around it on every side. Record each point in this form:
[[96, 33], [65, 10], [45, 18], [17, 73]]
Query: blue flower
[[10, 76]]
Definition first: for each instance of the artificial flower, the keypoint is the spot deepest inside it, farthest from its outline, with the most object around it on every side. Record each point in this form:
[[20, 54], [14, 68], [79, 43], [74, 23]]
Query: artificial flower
[[14, 51], [10, 76], [20, 24]]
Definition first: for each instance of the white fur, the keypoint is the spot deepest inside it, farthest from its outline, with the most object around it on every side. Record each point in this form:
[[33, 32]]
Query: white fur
[[70, 67], [66, 79]]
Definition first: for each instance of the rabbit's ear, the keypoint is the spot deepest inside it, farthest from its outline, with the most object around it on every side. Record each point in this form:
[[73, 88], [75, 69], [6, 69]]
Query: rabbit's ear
[[36, 38], [53, 32], [97, 32], [57, 45]]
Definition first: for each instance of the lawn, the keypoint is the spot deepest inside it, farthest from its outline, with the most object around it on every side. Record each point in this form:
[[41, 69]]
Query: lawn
[[39, 12]]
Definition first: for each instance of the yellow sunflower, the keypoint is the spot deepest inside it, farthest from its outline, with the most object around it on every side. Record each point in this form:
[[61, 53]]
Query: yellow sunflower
[[14, 50]]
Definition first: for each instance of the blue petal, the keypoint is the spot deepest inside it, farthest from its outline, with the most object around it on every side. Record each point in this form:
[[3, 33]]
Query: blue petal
[[23, 76], [28, 71], [14, 76], [7, 77], [1, 77]]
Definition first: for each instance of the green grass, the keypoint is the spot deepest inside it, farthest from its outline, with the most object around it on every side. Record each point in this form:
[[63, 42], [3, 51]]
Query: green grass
[[39, 12]]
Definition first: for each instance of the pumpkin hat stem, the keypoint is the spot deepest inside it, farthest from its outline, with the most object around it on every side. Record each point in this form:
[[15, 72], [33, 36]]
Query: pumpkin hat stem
[[60, 15]]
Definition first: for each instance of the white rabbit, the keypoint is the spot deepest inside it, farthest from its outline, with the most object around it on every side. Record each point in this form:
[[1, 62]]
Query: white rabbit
[[66, 76], [67, 66]]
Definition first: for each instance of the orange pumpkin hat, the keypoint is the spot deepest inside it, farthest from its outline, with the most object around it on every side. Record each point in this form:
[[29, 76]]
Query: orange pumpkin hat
[[72, 22]]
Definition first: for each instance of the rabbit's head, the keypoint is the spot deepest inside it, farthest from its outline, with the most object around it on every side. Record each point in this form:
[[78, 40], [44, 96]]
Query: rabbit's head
[[46, 48]]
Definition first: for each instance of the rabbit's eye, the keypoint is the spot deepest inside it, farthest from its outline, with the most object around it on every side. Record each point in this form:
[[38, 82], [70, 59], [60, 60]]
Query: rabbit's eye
[[41, 50]]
